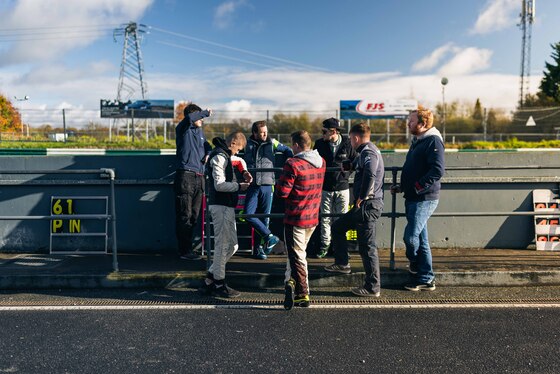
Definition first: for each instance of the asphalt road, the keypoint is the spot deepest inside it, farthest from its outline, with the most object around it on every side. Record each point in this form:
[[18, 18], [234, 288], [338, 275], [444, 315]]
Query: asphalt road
[[423, 340]]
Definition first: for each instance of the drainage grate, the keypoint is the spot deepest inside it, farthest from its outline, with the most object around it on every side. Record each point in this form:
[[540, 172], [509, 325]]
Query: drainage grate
[[195, 300]]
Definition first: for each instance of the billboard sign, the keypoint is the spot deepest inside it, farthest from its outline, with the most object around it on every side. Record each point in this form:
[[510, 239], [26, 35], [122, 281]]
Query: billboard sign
[[137, 109], [376, 109]]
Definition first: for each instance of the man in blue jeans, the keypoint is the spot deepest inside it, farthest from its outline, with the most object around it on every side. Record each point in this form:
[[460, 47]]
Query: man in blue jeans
[[420, 182], [259, 153]]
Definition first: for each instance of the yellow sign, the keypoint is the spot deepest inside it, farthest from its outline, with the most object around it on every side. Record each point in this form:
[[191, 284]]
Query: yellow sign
[[64, 206]]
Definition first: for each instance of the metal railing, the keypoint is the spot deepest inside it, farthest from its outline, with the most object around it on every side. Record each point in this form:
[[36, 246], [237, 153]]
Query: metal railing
[[104, 173], [393, 214]]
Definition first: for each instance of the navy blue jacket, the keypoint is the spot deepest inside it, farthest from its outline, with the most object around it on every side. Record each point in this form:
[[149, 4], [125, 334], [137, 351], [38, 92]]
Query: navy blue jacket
[[191, 144], [423, 168], [370, 172], [335, 180]]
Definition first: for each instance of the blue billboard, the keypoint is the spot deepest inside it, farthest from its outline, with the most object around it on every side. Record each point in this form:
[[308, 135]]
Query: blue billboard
[[137, 109]]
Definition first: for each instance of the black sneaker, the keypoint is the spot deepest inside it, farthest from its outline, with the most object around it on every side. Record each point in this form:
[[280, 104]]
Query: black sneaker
[[207, 289], [190, 256], [302, 301], [417, 286], [223, 290], [289, 294]]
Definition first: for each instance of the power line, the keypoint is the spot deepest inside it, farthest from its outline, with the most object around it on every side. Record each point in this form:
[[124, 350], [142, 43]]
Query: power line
[[215, 54], [109, 27], [310, 67]]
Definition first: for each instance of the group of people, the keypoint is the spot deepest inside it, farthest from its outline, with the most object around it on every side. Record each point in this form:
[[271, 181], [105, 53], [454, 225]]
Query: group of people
[[307, 189]]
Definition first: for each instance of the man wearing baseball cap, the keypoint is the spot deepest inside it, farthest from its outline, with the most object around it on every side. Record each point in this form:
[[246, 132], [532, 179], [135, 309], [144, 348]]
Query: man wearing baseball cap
[[335, 149]]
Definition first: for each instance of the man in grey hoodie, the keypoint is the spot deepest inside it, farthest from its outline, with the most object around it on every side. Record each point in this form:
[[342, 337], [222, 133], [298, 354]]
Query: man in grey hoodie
[[300, 184]]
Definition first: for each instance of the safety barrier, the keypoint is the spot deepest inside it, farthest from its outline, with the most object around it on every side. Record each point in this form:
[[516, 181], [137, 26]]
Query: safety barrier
[[103, 173], [393, 214]]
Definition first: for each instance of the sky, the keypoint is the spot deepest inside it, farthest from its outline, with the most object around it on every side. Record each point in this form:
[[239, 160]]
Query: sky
[[251, 55]]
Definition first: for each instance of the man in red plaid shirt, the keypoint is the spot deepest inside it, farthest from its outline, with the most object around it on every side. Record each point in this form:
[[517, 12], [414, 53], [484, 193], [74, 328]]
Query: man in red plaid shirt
[[300, 184]]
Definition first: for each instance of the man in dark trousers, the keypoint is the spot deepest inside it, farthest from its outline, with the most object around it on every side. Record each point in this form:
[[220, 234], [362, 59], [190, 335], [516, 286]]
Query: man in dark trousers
[[192, 152], [420, 181], [368, 205], [335, 197]]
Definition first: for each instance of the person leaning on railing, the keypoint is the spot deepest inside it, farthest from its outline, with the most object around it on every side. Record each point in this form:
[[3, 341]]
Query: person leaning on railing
[[260, 153]]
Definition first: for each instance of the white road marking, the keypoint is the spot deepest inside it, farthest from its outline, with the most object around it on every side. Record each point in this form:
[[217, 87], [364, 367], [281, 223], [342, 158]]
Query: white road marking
[[280, 307]]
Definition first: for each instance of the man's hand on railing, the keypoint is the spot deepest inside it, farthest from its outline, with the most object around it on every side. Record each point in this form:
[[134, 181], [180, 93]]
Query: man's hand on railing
[[396, 188]]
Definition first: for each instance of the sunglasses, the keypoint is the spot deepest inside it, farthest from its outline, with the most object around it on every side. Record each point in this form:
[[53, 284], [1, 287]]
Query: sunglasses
[[326, 131]]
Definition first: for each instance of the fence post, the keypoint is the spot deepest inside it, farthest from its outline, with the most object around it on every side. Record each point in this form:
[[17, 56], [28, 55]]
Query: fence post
[[64, 124], [393, 221]]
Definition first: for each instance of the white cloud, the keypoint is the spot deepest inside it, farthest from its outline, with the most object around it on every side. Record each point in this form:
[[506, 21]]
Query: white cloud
[[238, 105], [250, 93], [225, 13], [496, 15], [467, 61], [430, 61], [44, 30]]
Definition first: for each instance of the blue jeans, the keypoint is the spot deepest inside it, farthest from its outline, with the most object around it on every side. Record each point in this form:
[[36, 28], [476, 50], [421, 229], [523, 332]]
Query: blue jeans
[[416, 237], [258, 200]]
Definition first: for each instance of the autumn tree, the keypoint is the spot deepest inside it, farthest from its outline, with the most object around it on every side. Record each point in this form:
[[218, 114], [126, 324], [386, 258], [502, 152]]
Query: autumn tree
[[179, 111], [10, 118]]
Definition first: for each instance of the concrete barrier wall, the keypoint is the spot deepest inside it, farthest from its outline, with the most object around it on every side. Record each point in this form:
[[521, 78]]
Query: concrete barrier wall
[[145, 210]]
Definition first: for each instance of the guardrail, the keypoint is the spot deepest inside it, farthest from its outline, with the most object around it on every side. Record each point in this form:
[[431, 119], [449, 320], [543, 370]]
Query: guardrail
[[103, 173], [393, 214]]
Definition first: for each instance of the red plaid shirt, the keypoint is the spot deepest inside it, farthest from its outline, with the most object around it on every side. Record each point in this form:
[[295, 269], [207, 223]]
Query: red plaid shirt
[[300, 184]]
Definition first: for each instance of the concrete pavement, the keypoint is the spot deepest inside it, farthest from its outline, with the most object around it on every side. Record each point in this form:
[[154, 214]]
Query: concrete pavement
[[454, 267]]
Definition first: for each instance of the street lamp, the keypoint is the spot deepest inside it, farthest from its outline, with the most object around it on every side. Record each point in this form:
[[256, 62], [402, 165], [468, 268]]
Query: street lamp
[[444, 81], [25, 98]]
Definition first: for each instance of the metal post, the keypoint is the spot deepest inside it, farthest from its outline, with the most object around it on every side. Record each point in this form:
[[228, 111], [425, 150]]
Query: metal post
[[165, 131], [444, 81], [64, 124], [388, 131], [111, 173], [267, 115], [485, 125], [206, 231], [147, 128], [393, 221], [132, 124]]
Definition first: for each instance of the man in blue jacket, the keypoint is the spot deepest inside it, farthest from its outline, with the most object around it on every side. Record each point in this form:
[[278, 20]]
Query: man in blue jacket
[[259, 153], [420, 182], [192, 153]]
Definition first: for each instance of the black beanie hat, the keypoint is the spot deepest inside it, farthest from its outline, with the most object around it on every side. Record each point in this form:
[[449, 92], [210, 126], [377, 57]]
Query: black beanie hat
[[331, 123]]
